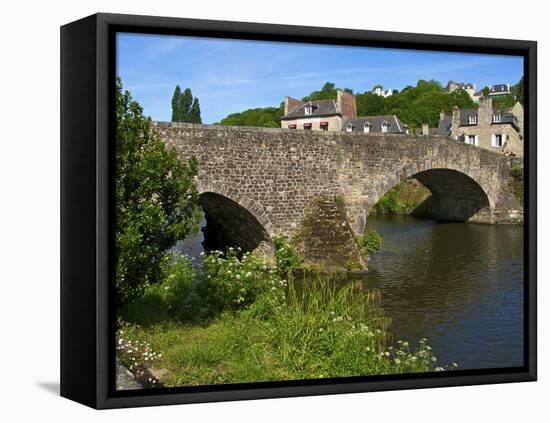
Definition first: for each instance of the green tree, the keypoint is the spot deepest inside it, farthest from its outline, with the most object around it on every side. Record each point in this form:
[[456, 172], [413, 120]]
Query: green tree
[[156, 199], [503, 102], [369, 104], [520, 91], [186, 100], [485, 91], [266, 117], [176, 108], [195, 112]]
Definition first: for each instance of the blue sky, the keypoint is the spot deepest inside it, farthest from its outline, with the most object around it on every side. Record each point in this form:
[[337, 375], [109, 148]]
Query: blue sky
[[233, 75]]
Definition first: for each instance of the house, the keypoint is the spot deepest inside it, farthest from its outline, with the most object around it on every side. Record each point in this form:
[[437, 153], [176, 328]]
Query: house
[[469, 87], [379, 90], [497, 130], [376, 125], [319, 115], [499, 89]]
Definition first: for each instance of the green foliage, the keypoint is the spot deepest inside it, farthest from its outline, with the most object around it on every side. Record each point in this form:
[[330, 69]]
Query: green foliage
[[265, 117], [167, 299], [370, 242], [404, 198], [485, 91], [176, 107], [195, 112], [286, 257], [369, 104], [328, 92], [233, 282], [156, 199], [185, 107], [516, 182], [503, 102], [519, 91], [309, 329]]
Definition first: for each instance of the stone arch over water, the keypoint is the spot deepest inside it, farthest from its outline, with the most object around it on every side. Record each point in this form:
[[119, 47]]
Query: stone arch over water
[[230, 224], [455, 196]]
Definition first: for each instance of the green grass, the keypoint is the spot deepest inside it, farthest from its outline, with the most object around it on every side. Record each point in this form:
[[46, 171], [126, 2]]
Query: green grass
[[286, 330]]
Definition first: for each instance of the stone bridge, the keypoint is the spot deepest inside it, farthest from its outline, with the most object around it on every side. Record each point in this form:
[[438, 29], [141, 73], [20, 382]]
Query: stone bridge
[[258, 182]]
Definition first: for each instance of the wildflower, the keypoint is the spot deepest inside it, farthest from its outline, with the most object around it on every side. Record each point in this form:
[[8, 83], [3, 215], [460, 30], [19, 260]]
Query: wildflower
[[405, 344], [397, 361]]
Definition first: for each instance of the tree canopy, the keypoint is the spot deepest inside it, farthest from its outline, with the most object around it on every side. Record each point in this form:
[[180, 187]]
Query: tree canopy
[[266, 117], [156, 199], [185, 107]]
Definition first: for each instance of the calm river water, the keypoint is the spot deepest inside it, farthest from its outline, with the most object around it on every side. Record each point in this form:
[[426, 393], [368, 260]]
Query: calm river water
[[459, 285]]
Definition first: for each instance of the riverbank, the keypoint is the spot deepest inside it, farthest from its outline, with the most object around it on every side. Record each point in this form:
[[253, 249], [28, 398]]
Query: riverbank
[[241, 321]]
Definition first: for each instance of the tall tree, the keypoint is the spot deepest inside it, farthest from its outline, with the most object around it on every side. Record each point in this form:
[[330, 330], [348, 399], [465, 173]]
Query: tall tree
[[156, 199], [195, 112], [186, 100], [176, 108], [519, 91]]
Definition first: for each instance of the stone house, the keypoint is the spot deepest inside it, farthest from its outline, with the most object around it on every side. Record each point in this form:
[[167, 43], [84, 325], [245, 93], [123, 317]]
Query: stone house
[[499, 89], [469, 87], [319, 115], [496, 130], [376, 124]]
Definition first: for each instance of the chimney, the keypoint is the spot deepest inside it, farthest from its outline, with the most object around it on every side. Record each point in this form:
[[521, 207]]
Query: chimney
[[346, 104], [455, 122], [425, 129], [291, 104], [485, 111]]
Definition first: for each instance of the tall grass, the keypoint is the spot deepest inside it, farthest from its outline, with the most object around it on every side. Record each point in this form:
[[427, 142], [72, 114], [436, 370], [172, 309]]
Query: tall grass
[[282, 330]]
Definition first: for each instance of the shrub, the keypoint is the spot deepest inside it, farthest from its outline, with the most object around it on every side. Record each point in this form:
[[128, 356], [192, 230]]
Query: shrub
[[156, 199], [166, 299], [370, 242], [286, 257], [232, 282]]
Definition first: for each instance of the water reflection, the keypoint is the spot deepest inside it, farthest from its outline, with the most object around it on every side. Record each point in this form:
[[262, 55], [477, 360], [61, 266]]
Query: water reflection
[[460, 285]]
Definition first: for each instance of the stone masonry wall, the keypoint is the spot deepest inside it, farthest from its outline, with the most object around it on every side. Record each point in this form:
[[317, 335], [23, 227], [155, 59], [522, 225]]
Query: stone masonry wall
[[276, 173]]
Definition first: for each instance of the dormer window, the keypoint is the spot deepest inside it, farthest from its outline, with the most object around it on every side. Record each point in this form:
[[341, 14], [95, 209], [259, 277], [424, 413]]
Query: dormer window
[[472, 120], [385, 126], [309, 109], [366, 128], [349, 127], [497, 118]]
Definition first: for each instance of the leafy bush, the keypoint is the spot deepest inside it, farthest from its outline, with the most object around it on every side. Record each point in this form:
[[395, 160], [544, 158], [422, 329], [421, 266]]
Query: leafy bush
[[233, 283], [156, 199], [167, 299], [370, 242], [286, 257]]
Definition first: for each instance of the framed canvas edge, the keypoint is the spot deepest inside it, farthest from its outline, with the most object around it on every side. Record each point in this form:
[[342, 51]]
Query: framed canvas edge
[[104, 366]]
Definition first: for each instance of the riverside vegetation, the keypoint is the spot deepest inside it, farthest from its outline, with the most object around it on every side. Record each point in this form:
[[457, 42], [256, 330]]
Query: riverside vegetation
[[236, 318], [240, 320]]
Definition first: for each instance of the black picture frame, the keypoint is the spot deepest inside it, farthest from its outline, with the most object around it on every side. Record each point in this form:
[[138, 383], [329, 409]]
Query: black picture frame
[[87, 242]]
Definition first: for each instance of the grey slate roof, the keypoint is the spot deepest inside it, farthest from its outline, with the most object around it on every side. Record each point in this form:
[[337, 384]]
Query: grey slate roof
[[320, 108], [375, 122], [465, 116], [499, 89]]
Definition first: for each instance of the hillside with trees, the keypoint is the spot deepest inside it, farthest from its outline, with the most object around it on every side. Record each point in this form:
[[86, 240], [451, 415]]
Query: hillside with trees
[[413, 105]]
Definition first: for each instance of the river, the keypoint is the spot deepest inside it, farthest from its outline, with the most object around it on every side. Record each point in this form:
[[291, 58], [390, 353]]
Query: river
[[459, 285]]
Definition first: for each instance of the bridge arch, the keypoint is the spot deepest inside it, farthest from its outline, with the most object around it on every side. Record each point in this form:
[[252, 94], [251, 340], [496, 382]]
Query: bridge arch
[[232, 222], [456, 195]]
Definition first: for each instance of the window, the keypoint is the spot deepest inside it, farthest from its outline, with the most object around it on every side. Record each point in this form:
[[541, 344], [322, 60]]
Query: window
[[309, 109], [498, 140], [324, 126], [349, 127], [307, 126], [472, 119], [471, 139], [497, 118], [384, 126], [366, 128], [292, 126]]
